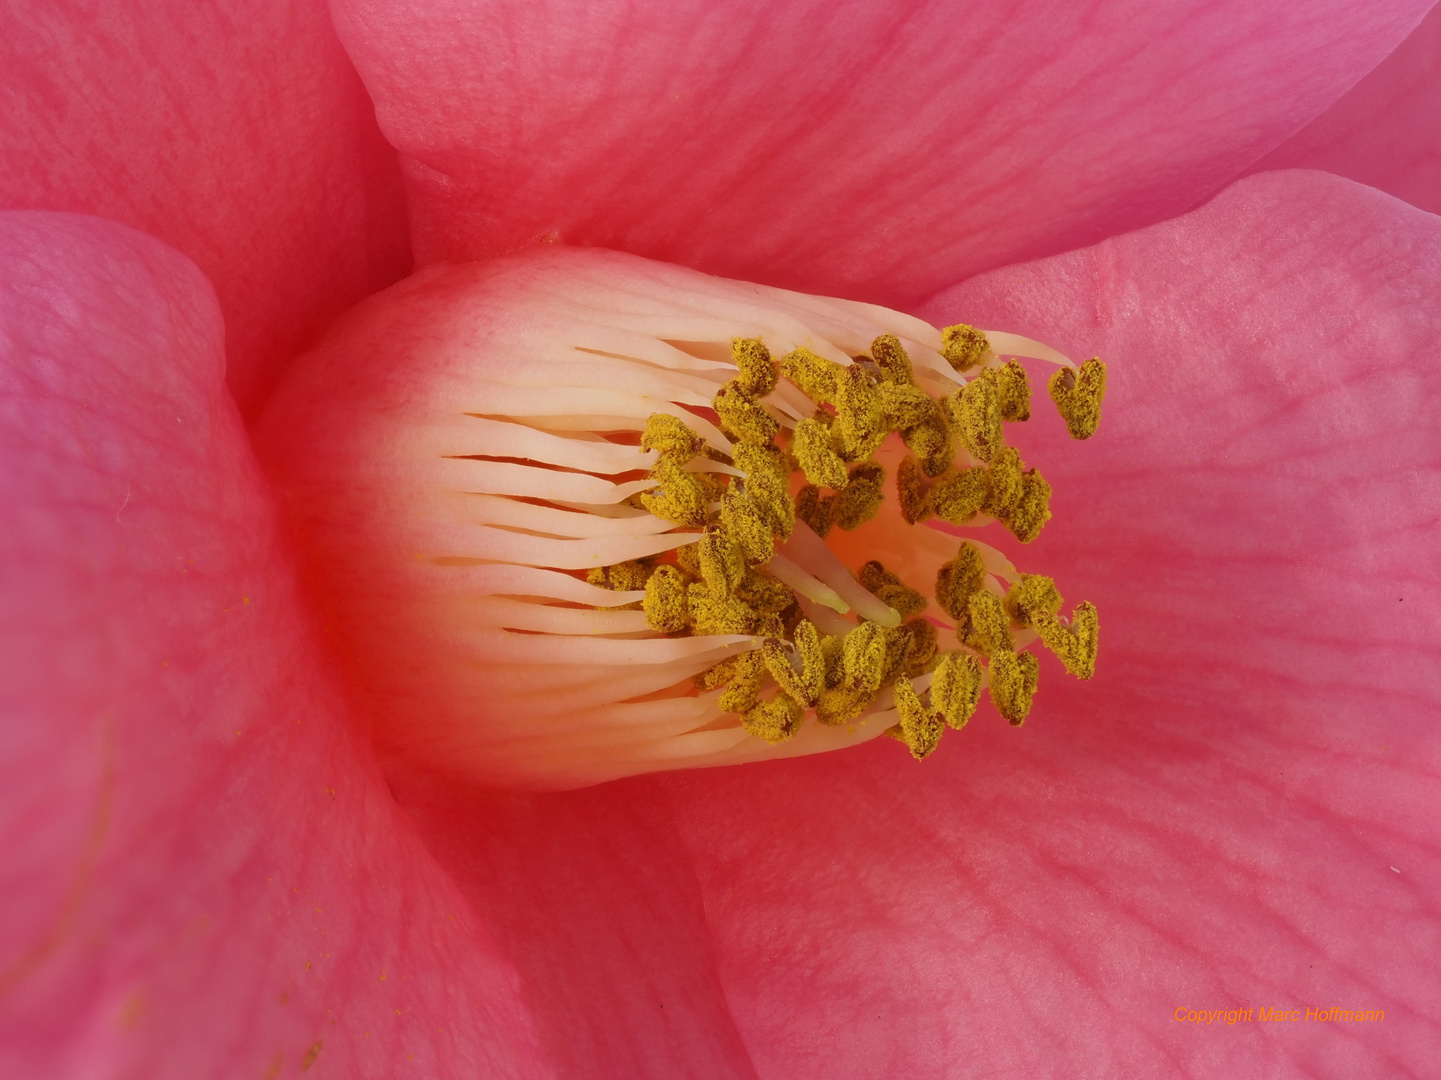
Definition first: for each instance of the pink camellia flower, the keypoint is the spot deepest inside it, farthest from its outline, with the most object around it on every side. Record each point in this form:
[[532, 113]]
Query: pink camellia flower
[[1210, 859]]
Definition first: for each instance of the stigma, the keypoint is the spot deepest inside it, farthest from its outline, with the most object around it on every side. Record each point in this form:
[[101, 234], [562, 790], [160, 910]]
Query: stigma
[[573, 515]]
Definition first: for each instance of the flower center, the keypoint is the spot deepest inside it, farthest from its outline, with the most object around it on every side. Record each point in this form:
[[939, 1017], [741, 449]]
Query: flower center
[[577, 516]]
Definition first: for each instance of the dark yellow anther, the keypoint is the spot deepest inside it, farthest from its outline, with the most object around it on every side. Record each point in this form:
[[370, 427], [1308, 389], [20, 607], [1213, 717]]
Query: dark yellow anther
[[745, 679], [1033, 510], [742, 416], [893, 360], [816, 376], [860, 425], [990, 625], [622, 576], [1013, 684], [815, 511], [960, 496], [904, 407], [923, 646], [812, 448], [921, 729], [1031, 598], [956, 688], [764, 593], [715, 612], [1013, 392], [722, 564], [963, 346], [670, 435], [958, 579], [775, 720], [1078, 396], [976, 411], [1075, 645], [932, 441], [898, 652], [665, 604], [858, 502], [863, 657], [890, 589], [912, 492], [744, 523], [1005, 484], [757, 370], [680, 497], [806, 684]]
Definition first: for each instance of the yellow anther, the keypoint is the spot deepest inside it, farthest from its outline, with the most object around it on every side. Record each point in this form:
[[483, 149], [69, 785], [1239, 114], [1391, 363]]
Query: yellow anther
[[815, 511], [665, 604], [1033, 510], [864, 652], [757, 370], [1075, 645], [712, 486], [714, 612], [742, 416], [1031, 598], [956, 688], [687, 556], [958, 579], [912, 492], [744, 523], [891, 357], [1013, 392], [812, 448], [904, 406], [806, 684], [960, 496], [976, 411], [816, 376], [840, 704], [923, 646], [921, 729], [717, 675], [670, 435], [963, 346], [764, 593], [680, 497], [890, 589], [622, 576], [1078, 396], [745, 679], [1013, 684], [775, 720], [1005, 484], [858, 502], [722, 564], [932, 441], [860, 425], [898, 651], [990, 625], [764, 466]]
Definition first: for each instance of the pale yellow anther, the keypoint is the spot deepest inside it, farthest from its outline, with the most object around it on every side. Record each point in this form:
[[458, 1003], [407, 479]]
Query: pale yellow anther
[[1013, 392], [958, 579], [815, 510], [1013, 684], [960, 496], [890, 589], [775, 720], [976, 412], [905, 407], [963, 346], [859, 500], [715, 612], [670, 435], [812, 449], [757, 370], [860, 425], [923, 646], [816, 376], [990, 626], [1032, 510], [921, 729], [665, 604], [956, 688], [745, 679], [722, 563], [1074, 645], [744, 523], [893, 360], [680, 497], [742, 416], [912, 492], [1078, 396], [806, 684]]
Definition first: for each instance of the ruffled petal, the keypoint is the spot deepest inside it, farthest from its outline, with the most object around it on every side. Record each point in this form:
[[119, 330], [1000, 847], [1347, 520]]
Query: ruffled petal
[[873, 150], [1239, 811], [1384, 132], [235, 131], [203, 872]]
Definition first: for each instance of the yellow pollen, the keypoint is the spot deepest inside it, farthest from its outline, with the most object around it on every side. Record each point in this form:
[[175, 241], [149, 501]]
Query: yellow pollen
[[859, 500], [963, 346], [715, 612], [672, 437], [665, 600], [860, 425], [890, 589], [891, 357], [1013, 684], [815, 510], [720, 561], [912, 492], [921, 728], [1078, 396], [742, 416], [958, 579], [822, 466], [680, 497], [990, 631], [775, 720], [976, 410], [1013, 392], [960, 496], [745, 679], [956, 688], [757, 371], [818, 378], [742, 520]]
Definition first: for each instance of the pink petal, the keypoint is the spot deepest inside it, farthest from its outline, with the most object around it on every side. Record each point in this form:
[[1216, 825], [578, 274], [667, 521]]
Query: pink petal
[[876, 150], [1240, 810], [235, 131], [1385, 131], [203, 872]]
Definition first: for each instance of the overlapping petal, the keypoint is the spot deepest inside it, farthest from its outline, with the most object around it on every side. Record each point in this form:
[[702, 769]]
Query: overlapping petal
[[204, 873], [878, 151], [235, 131], [1239, 812]]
